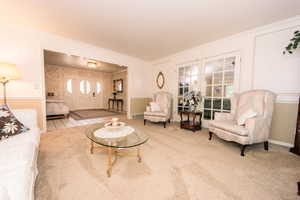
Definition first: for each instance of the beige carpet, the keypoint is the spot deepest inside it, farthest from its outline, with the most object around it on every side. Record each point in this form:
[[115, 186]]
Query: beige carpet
[[177, 165], [91, 113]]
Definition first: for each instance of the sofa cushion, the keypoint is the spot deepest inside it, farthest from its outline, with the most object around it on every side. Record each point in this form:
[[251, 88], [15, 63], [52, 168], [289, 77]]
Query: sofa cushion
[[27, 116], [9, 124], [12, 157], [154, 107], [3, 193], [230, 126], [244, 116], [19, 183]]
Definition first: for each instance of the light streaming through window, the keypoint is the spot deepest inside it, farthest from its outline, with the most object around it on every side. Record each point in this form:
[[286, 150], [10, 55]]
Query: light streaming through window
[[81, 87], [69, 86], [98, 87]]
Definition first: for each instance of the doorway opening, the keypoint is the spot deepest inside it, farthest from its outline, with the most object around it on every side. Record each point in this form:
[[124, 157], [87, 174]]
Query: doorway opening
[[82, 91]]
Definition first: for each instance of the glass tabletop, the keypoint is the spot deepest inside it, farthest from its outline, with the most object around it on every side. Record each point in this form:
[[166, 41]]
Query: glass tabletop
[[136, 138]]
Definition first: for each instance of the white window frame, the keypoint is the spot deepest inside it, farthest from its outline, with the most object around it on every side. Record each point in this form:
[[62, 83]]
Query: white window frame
[[199, 74], [236, 82]]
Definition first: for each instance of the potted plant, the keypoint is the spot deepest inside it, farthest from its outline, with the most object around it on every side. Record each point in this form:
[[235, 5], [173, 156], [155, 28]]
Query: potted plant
[[293, 45], [193, 100]]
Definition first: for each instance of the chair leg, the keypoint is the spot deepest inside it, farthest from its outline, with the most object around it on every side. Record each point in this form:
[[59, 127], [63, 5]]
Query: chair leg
[[243, 150], [144, 122], [165, 124], [266, 145], [210, 135]]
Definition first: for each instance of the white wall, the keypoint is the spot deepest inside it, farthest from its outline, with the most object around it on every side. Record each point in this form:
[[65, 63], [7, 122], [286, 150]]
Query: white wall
[[24, 47], [262, 62], [263, 66]]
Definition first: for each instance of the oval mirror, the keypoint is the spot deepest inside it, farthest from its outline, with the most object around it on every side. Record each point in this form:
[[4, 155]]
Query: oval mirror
[[160, 80]]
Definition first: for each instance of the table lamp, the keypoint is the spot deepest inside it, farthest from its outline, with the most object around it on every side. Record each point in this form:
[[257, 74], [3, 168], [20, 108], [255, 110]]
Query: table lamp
[[8, 72]]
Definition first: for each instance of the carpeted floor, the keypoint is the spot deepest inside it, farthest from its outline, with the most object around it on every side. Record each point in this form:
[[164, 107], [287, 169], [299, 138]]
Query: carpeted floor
[[91, 113], [177, 165]]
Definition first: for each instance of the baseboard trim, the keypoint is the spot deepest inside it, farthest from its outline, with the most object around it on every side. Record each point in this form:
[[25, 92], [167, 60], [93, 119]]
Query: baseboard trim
[[285, 144], [137, 114]]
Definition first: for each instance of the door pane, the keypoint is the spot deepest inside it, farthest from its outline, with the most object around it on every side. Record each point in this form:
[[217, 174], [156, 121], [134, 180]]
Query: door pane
[[229, 63], [226, 104], [218, 78], [207, 103], [228, 90], [228, 77], [208, 79], [217, 104], [207, 114], [217, 91], [208, 91]]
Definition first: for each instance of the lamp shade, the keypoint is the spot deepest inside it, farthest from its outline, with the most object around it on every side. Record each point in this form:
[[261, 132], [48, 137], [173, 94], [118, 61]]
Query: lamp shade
[[9, 71]]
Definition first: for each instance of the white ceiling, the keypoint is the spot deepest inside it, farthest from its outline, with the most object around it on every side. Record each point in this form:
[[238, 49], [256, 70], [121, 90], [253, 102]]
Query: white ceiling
[[148, 29], [64, 60]]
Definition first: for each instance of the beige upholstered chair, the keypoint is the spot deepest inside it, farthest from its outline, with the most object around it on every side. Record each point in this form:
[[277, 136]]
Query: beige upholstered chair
[[164, 100], [255, 129]]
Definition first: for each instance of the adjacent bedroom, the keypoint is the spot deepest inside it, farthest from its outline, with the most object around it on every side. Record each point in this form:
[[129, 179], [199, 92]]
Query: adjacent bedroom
[[82, 91]]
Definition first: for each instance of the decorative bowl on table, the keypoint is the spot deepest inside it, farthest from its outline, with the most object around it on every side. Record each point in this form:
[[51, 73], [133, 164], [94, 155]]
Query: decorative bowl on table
[[114, 132]]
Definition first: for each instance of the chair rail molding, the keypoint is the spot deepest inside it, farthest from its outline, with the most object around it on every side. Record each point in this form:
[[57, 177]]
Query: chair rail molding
[[291, 97]]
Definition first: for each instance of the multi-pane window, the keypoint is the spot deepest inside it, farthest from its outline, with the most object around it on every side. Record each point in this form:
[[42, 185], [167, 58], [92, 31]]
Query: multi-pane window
[[189, 80], [219, 82]]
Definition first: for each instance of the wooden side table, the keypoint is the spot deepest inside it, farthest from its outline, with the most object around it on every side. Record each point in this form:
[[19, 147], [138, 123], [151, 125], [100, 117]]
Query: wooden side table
[[117, 101], [193, 125]]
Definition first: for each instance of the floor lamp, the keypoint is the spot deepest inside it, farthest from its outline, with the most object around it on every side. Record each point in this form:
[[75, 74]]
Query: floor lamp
[[8, 72]]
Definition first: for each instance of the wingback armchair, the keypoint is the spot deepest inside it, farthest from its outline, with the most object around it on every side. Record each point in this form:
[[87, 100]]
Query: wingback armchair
[[163, 112], [256, 126]]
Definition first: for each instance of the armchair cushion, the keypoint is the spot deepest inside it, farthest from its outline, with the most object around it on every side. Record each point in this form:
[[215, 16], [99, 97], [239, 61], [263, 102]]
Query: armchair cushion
[[156, 113], [154, 107], [230, 126], [223, 116], [246, 115]]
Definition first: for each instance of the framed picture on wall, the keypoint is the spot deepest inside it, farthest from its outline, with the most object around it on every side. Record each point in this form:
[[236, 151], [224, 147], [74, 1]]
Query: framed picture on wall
[[118, 85]]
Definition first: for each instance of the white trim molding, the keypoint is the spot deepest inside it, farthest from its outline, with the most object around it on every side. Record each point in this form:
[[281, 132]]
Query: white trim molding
[[284, 144], [288, 97]]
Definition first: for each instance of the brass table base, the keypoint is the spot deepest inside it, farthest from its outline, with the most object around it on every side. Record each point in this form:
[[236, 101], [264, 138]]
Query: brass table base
[[114, 152]]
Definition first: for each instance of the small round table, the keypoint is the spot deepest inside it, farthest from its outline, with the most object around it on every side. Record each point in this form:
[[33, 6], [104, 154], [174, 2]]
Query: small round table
[[113, 145]]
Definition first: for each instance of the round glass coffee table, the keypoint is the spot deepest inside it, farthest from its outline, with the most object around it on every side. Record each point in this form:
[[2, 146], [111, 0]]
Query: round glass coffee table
[[112, 143]]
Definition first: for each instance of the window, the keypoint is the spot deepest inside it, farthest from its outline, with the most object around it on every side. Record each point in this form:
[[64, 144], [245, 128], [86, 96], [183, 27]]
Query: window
[[98, 87], [189, 80], [88, 87], [69, 86], [84, 87], [81, 87], [219, 82]]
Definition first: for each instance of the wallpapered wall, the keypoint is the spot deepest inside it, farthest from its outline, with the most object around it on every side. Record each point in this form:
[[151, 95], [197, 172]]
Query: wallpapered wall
[[57, 76]]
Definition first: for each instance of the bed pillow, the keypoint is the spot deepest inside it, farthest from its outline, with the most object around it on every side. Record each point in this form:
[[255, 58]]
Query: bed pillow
[[246, 115], [154, 107], [9, 124]]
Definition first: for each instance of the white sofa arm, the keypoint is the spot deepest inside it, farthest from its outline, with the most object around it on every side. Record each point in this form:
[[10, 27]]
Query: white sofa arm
[[3, 193], [27, 116], [258, 129], [223, 116]]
